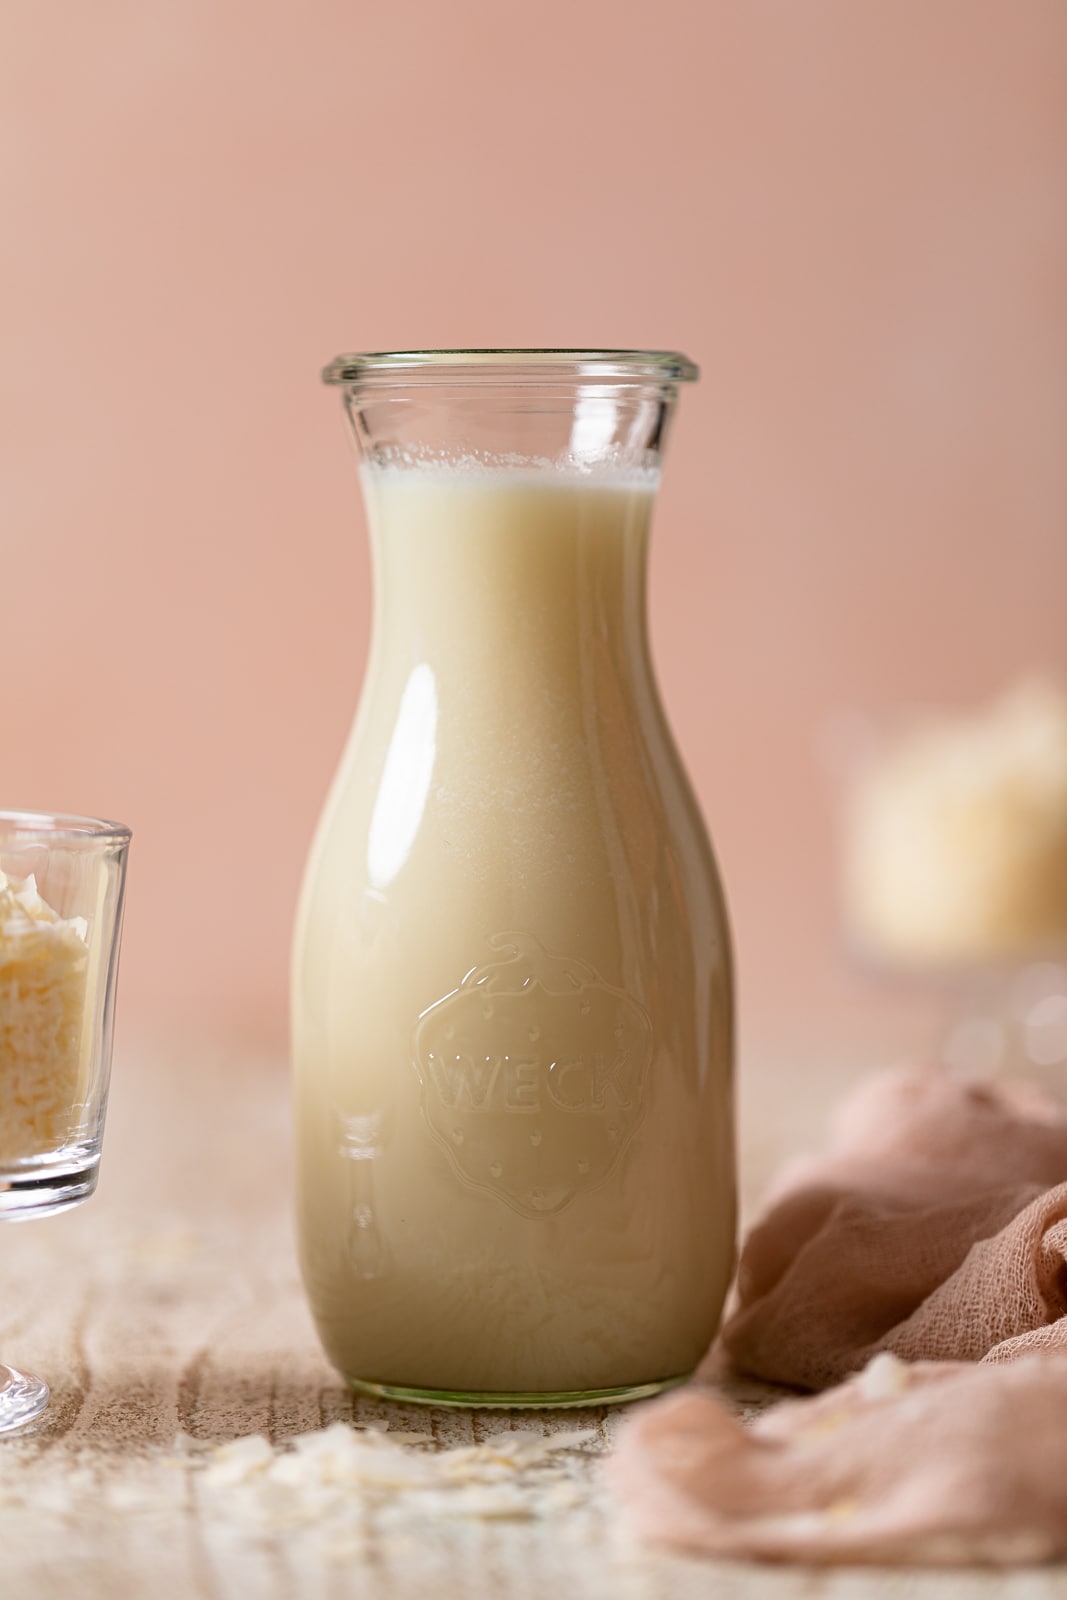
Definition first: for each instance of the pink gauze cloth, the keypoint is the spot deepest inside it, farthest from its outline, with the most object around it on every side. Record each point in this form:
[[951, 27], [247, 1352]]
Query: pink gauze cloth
[[935, 1227], [894, 1467], [933, 1231]]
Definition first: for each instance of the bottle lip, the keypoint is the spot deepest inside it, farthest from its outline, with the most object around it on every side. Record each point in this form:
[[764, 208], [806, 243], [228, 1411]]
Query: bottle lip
[[511, 366]]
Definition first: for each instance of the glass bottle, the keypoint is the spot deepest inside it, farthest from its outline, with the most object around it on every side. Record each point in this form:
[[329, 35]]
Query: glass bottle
[[512, 999]]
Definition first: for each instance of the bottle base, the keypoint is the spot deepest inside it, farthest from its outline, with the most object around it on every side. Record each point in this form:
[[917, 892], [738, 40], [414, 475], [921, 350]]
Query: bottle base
[[554, 1400]]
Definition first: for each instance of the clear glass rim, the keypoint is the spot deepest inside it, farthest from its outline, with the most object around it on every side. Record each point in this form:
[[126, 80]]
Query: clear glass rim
[[512, 366], [60, 827]]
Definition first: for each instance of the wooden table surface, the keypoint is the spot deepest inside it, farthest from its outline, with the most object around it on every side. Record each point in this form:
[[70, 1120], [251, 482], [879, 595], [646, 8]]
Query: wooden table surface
[[167, 1315]]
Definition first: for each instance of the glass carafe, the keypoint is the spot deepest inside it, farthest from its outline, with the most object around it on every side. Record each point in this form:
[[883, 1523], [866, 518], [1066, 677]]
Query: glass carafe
[[512, 1005]]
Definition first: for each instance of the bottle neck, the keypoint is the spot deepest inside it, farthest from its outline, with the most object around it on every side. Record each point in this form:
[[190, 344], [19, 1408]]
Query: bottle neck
[[497, 571]]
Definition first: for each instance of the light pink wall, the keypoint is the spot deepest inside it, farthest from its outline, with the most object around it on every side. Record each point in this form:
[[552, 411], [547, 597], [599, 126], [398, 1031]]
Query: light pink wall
[[853, 214]]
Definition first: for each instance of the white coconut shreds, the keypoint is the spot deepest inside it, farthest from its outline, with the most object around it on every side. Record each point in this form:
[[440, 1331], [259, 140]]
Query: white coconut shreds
[[523, 1474], [336, 1492]]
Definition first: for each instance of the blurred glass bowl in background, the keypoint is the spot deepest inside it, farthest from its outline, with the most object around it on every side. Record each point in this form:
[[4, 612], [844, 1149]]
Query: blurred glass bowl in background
[[953, 856]]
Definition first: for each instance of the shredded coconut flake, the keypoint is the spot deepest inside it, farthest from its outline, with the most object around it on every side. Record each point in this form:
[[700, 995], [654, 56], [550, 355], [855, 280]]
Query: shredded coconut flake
[[884, 1377]]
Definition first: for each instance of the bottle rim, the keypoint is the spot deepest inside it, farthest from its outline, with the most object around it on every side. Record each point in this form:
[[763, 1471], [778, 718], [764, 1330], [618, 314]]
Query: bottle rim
[[511, 366], [59, 828]]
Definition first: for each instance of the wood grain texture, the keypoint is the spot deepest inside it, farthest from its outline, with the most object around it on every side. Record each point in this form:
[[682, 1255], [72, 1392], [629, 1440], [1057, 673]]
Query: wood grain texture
[[169, 1307]]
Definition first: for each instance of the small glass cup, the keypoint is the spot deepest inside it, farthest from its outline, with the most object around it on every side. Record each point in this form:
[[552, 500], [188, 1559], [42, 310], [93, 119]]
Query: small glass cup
[[62, 881]]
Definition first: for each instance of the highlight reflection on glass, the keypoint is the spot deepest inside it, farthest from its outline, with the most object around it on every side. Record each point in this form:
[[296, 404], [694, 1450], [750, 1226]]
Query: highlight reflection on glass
[[405, 785]]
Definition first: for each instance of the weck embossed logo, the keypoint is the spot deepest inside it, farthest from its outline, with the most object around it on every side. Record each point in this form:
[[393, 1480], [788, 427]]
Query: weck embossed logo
[[533, 1074]]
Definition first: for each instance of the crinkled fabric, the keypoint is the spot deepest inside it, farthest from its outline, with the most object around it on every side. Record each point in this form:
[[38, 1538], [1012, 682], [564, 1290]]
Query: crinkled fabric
[[934, 1227], [935, 1464]]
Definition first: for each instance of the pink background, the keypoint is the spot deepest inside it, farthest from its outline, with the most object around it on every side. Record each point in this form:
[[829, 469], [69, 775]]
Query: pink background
[[854, 215]]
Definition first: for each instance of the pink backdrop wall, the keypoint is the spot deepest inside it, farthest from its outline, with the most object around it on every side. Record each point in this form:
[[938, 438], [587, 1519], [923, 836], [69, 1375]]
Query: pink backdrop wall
[[853, 215]]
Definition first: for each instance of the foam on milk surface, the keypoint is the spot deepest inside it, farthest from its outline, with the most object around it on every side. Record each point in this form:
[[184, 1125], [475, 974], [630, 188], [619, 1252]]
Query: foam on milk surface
[[507, 472]]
